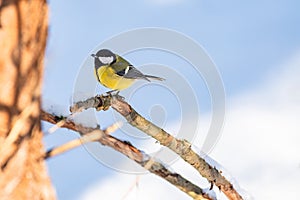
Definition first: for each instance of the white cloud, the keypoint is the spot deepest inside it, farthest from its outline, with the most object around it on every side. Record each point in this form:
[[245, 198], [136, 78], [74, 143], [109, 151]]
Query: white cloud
[[123, 186], [259, 145], [260, 141]]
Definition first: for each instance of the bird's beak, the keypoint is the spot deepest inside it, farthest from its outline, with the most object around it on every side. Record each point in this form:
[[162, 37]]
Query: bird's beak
[[93, 55]]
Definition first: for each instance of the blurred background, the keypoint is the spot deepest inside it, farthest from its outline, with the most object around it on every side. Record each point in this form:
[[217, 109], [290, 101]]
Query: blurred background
[[256, 48]]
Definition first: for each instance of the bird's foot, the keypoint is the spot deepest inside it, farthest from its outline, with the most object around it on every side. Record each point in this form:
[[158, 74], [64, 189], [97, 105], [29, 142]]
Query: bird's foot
[[114, 93], [110, 93]]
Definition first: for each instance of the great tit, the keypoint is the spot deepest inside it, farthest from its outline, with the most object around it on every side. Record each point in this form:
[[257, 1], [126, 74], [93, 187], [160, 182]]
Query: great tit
[[115, 72]]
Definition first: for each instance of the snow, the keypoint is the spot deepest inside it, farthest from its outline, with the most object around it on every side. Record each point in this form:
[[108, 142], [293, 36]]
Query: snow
[[86, 118], [210, 192], [53, 108]]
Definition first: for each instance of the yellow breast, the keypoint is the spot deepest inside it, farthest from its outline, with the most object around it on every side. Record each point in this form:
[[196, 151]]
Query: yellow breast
[[107, 77]]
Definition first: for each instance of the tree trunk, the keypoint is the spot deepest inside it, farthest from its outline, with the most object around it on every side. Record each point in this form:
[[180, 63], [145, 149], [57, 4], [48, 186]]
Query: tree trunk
[[23, 35]]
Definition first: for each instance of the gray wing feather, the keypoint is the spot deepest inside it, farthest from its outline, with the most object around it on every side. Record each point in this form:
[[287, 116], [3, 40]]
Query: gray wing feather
[[133, 73]]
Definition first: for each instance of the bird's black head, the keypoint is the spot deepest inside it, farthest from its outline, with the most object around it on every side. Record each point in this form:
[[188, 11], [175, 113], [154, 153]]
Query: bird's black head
[[104, 53], [104, 57]]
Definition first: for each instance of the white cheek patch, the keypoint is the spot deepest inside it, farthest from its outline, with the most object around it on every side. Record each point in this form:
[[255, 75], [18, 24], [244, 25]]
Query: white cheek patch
[[106, 60]]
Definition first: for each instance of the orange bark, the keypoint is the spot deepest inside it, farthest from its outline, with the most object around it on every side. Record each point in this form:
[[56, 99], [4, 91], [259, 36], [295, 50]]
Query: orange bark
[[23, 35]]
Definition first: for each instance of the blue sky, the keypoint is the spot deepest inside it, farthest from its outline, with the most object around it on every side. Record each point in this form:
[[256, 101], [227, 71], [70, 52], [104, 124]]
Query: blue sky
[[248, 41]]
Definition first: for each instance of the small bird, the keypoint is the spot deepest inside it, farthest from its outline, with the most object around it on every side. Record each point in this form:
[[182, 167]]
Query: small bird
[[115, 72]]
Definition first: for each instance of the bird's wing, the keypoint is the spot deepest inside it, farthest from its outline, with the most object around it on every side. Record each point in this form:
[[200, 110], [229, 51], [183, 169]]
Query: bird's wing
[[120, 66], [123, 68], [132, 73]]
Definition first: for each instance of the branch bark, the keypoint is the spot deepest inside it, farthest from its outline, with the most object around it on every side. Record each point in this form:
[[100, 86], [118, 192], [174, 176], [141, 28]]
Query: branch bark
[[23, 35], [180, 147], [134, 154]]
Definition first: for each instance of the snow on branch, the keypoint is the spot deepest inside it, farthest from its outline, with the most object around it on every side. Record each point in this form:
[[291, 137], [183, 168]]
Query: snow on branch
[[140, 157], [180, 147]]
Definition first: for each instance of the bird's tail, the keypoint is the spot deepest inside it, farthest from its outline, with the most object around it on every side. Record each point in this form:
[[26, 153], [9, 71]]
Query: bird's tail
[[154, 78]]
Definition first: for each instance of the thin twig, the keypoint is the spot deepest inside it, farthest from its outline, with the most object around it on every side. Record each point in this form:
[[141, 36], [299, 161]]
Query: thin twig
[[132, 186], [180, 147], [56, 126], [90, 137], [136, 155]]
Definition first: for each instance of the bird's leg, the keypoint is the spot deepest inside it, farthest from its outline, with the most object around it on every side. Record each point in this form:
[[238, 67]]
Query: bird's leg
[[115, 93], [111, 92], [119, 96]]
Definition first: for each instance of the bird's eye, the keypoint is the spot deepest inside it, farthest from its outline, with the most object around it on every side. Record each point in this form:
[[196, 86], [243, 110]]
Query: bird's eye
[[106, 60]]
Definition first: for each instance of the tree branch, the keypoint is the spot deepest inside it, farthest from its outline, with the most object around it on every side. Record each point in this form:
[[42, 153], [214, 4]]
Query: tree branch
[[89, 137], [134, 154], [180, 147]]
